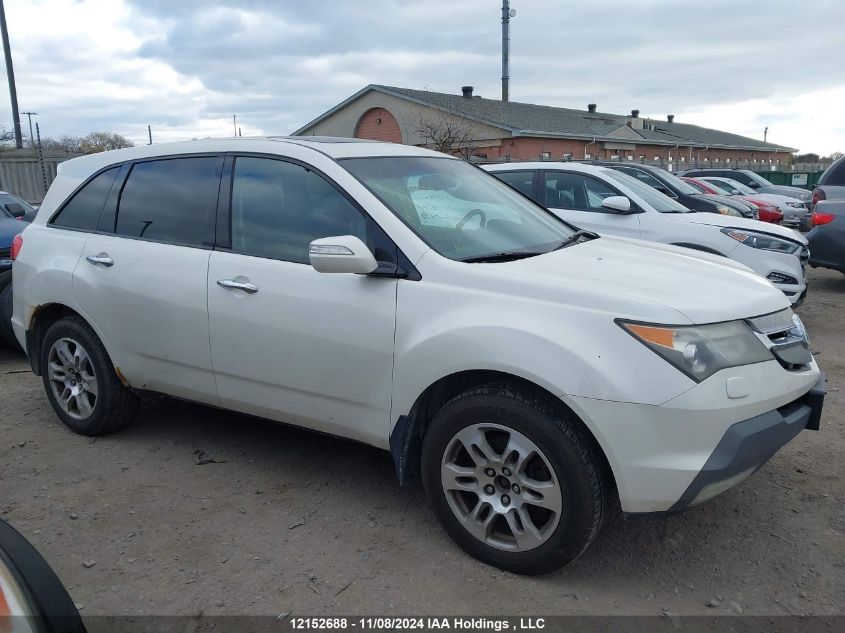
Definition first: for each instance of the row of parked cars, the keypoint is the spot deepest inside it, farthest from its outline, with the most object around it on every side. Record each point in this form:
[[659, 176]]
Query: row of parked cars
[[614, 198], [538, 355]]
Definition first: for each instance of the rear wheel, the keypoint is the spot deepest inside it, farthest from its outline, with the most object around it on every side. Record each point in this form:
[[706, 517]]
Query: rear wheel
[[81, 382], [515, 479]]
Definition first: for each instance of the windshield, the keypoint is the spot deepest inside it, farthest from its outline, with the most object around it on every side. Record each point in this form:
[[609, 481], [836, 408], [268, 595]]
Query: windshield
[[735, 184], [679, 185], [652, 196], [696, 186], [457, 209]]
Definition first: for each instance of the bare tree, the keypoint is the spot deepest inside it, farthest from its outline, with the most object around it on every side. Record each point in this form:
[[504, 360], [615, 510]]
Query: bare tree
[[102, 141], [836, 155], [6, 136], [448, 133]]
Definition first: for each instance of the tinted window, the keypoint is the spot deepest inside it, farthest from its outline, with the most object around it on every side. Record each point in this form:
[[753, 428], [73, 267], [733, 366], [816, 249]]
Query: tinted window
[[835, 174], [83, 210], [171, 200], [519, 180], [279, 208], [567, 190]]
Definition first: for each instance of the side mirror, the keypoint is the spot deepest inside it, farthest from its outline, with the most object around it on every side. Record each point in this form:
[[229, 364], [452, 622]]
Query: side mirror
[[617, 204], [735, 192], [342, 254], [754, 184], [32, 598]]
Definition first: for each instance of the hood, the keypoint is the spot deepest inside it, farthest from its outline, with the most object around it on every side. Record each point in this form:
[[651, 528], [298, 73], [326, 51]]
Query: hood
[[791, 192], [703, 288], [774, 198], [9, 227], [731, 202], [714, 219]]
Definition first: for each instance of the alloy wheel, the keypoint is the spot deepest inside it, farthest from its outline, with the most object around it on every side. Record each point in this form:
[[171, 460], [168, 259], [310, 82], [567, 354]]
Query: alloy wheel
[[72, 378], [501, 487]]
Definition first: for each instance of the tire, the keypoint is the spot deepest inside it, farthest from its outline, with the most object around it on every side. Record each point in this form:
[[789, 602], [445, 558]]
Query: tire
[[101, 403], [7, 334], [514, 422]]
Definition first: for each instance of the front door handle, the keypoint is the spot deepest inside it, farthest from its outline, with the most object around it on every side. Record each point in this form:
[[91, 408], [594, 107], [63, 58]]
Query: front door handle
[[231, 284], [102, 259]]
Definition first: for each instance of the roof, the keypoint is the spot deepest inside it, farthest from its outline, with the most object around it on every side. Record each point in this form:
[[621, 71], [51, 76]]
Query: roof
[[528, 119], [329, 146]]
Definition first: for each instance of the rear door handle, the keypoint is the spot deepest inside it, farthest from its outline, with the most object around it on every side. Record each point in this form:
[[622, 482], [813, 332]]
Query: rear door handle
[[102, 258], [231, 284]]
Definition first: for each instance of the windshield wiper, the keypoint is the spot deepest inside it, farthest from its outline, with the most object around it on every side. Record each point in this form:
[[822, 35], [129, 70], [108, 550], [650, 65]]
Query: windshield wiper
[[506, 256], [576, 237]]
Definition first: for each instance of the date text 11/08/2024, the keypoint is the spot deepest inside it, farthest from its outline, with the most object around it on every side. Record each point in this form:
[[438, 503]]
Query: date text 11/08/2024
[[455, 623]]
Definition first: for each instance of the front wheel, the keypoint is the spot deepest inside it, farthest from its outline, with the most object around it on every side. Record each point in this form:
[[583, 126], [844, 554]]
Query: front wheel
[[515, 479], [81, 382]]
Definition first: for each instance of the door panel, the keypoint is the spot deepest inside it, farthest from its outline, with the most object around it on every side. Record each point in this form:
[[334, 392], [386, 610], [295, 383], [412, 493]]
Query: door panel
[[150, 308], [289, 343], [306, 348]]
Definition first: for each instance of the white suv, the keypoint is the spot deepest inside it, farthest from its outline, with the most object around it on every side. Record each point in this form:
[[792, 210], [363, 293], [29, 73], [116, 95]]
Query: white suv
[[614, 203], [528, 372]]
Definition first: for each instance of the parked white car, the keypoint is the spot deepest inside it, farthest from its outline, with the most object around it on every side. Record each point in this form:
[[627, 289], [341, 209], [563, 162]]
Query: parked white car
[[527, 371], [613, 203], [794, 210]]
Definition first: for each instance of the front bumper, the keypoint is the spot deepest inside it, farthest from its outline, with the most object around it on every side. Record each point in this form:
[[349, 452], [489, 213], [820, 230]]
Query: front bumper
[[778, 266], [749, 444], [657, 452]]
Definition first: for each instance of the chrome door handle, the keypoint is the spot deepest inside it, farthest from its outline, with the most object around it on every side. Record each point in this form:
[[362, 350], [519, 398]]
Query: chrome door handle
[[102, 258], [231, 284]]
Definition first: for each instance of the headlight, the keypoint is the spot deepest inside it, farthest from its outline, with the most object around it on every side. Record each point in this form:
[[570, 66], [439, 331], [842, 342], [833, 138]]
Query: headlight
[[762, 241], [701, 350], [797, 204], [726, 210]]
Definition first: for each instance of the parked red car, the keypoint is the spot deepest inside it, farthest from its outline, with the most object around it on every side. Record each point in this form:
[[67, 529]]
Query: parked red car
[[768, 212]]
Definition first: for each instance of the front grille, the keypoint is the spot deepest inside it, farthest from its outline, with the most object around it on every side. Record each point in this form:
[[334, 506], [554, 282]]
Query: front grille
[[787, 338], [774, 324]]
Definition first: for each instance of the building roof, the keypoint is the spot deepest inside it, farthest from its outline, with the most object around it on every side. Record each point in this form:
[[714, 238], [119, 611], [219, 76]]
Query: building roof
[[528, 119]]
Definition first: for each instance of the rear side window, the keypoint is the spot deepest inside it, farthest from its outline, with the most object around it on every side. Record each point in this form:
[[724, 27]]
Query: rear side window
[[519, 180], [173, 200], [83, 210]]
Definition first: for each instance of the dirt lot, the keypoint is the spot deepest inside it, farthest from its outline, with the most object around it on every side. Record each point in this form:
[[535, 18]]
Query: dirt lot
[[289, 521]]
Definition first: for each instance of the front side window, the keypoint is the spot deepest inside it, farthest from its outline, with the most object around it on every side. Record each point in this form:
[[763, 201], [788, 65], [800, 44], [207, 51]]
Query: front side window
[[522, 181], [83, 210], [457, 209], [172, 200], [279, 208], [571, 190]]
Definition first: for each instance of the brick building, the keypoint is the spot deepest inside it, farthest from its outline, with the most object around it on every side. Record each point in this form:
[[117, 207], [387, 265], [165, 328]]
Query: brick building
[[524, 131]]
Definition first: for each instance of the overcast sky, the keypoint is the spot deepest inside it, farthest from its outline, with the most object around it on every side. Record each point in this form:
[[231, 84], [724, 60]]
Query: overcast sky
[[185, 66]]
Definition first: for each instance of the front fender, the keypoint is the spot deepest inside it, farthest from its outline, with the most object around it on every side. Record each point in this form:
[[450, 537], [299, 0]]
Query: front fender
[[566, 349]]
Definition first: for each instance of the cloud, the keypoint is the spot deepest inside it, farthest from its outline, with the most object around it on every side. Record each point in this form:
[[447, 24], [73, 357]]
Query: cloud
[[186, 66]]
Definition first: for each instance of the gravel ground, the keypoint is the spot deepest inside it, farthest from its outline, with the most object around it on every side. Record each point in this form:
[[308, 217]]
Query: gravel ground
[[288, 521]]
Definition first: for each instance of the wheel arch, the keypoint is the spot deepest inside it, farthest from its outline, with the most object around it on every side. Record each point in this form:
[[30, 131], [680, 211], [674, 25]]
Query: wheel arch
[[407, 435], [43, 316]]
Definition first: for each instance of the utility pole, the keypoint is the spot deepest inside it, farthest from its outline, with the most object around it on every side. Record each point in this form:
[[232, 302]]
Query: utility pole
[[10, 73], [31, 137], [507, 14], [150, 133], [41, 159], [235, 123], [765, 133]]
